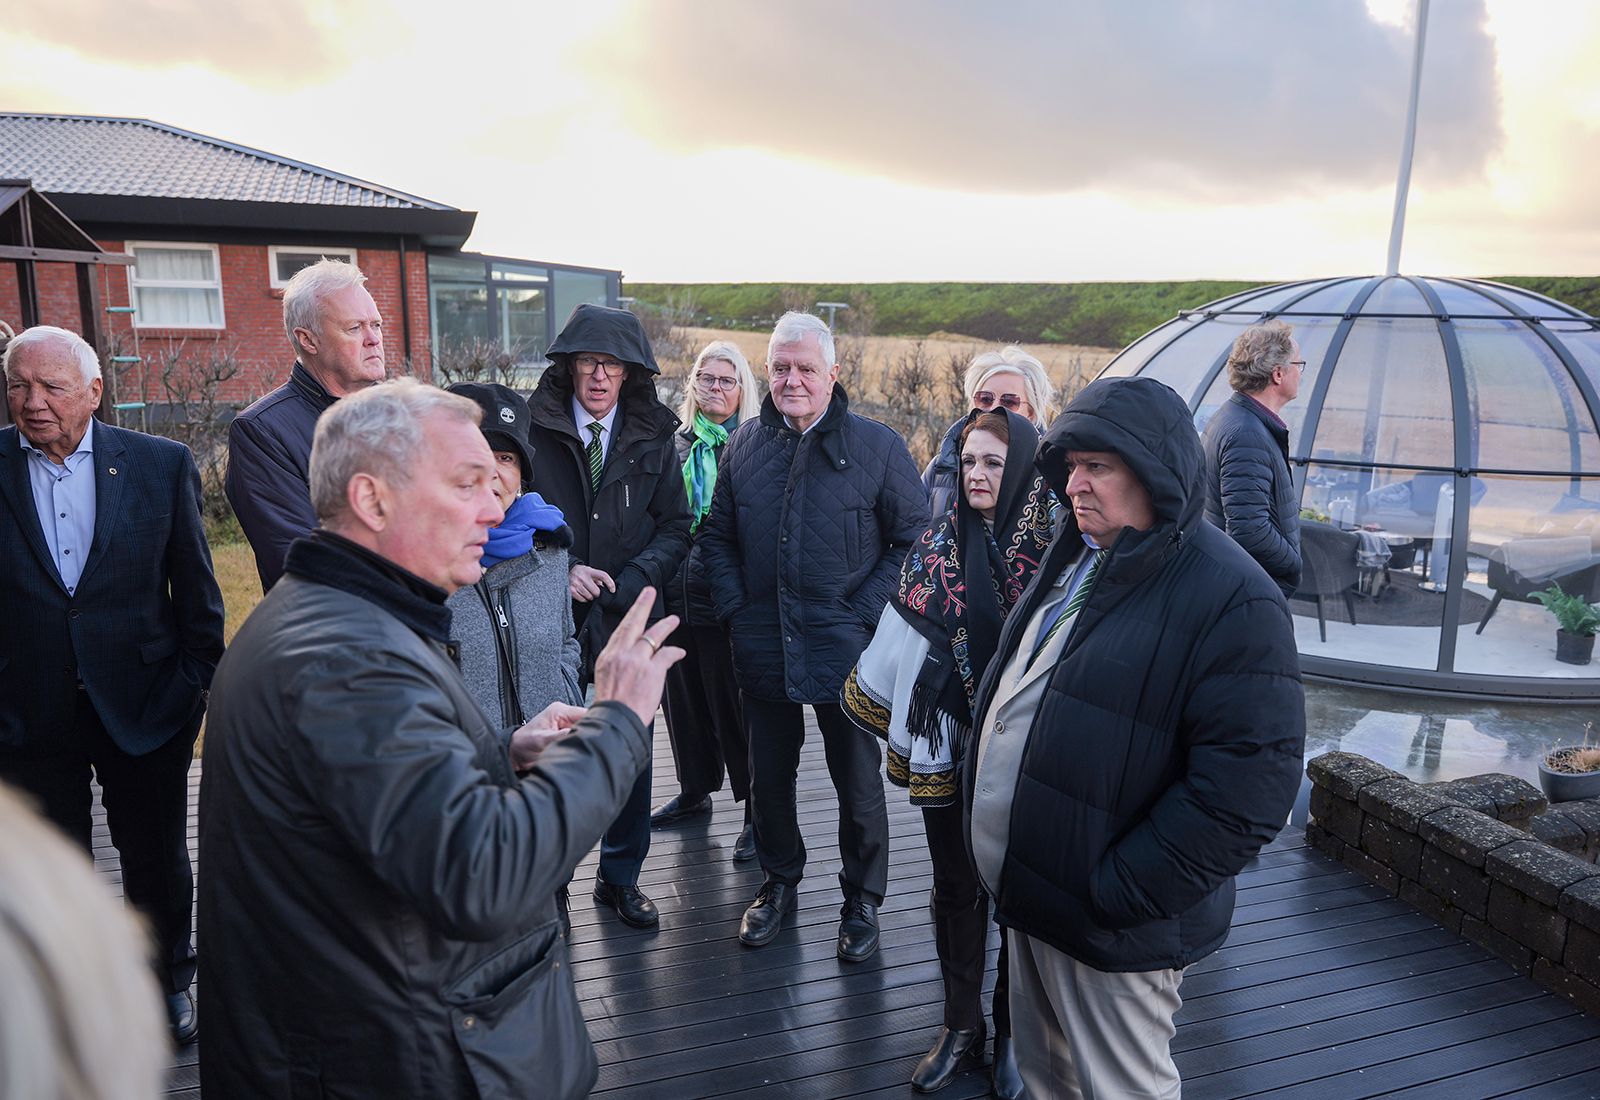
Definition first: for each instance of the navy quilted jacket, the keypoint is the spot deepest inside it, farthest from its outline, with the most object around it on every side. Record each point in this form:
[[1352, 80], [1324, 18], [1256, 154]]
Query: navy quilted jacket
[[804, 544], [1249, 491]]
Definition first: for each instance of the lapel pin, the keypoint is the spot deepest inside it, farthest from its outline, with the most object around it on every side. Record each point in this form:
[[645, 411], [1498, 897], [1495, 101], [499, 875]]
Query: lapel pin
[[111, 469]]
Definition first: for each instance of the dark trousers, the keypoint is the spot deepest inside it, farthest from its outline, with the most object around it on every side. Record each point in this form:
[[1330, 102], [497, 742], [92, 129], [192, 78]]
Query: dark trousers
[[776, 729], [961, 927], [146, 799], [627, 841], [704, 724]]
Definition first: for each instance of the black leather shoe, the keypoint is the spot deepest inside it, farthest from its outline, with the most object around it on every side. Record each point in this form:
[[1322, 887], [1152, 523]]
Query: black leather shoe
[[632, 906], [858, 930], [1005, 1080], [760, 923], [183, 1017], [744, 849], [563, 905], [938, 1067], [676, 809]]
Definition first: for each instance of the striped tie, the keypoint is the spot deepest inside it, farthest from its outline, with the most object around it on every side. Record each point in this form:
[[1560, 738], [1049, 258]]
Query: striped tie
[[1072, 606], [597, 455]]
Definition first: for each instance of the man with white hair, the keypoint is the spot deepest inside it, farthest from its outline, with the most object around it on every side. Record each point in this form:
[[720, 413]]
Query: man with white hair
[[378, 908], [337, 334], [110, 630], [814, 510]]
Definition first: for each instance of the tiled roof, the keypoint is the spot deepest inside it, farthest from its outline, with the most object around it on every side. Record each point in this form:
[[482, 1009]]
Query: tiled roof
[[91, 155]]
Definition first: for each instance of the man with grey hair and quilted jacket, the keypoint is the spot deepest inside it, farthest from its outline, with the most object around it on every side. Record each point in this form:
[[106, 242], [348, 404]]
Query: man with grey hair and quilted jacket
[[814, 510]]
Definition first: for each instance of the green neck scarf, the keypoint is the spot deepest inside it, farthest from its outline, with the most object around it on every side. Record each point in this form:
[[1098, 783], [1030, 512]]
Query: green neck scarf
[[700, 470]]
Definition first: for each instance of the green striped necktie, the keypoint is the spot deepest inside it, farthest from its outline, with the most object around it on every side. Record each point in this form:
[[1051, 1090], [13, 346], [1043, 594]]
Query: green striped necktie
[[1072, 606], [597, 455]]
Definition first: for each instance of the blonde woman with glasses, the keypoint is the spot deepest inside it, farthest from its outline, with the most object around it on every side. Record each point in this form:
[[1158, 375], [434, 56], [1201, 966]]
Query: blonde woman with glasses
[[1010, 379], [704, 723]]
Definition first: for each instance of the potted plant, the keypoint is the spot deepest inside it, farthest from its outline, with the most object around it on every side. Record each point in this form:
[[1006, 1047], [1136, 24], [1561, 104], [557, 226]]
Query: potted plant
[[1570, 772], [1576, 622]]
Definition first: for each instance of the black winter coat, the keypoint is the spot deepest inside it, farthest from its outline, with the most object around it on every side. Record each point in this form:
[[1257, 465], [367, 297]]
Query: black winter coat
[[1249, 491], [943, 473], [1167, 748], [689, 594], [378, 909], [804, 543], [636, 527], [268, 482]]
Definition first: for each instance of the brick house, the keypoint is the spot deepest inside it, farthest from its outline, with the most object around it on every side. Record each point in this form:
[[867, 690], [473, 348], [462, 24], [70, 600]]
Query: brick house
[[216, 229]]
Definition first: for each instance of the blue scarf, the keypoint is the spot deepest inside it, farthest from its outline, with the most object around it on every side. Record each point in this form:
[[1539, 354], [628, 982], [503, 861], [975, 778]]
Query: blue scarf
[[514, 537], [700, 469]]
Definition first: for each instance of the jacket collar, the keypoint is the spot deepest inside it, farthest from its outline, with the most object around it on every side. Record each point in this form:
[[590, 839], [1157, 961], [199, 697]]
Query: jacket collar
[[829, 430], [309, 388], [110, 475], [326, 558]]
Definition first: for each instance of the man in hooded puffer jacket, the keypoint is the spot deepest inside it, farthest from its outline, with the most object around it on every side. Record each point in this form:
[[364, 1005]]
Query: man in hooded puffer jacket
[[1140, 739], [603, 453]]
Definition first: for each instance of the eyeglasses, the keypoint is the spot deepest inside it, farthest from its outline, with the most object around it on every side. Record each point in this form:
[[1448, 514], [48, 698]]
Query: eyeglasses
[[1301, 363], [712, 382], [983, 399], [587, 364]]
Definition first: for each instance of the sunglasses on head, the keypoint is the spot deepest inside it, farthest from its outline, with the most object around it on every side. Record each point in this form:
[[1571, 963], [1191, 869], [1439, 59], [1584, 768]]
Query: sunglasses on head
[[983, 399]]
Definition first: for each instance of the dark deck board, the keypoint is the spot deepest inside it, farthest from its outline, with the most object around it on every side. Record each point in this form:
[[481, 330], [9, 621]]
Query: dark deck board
[[1326, 986]]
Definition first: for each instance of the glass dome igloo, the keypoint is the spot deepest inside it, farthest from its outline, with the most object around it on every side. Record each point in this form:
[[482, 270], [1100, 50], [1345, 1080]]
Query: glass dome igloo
[[1450, 423]]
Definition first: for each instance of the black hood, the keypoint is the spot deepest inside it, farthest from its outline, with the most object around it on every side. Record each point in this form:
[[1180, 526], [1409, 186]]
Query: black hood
[[1148, 426], [605, 331]]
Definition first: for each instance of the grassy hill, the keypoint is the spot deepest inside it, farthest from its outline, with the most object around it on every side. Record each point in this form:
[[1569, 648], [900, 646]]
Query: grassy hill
[[1107, 315]]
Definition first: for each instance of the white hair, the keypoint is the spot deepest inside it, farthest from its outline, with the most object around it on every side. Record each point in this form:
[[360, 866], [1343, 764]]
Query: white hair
[[1013, 360], [793, 327], [305, 293], [88, 361], [725, 351], [377, 431], [83, 1017]]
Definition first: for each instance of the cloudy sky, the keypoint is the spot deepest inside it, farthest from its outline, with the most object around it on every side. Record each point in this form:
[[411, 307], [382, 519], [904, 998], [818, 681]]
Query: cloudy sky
[[875, 140]]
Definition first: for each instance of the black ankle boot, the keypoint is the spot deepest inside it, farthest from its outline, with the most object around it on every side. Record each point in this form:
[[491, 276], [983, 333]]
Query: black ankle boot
[[938, 1067], [1005, 1080]]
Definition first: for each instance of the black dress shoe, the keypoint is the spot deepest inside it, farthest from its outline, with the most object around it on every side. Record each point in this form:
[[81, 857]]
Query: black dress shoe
[[632, 906], [938, 1067], [1005, 1080], [858, 930], [183, 1016], [760, 922], [677, 808], [744, 849]]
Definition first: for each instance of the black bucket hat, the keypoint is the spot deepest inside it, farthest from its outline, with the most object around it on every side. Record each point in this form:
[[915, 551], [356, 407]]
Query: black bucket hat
[[505, 420]]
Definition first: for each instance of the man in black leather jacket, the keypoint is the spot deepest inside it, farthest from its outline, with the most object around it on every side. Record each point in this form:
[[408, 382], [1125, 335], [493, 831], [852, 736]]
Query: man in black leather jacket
[[1140, 738], [378, 910], [1250, 492]]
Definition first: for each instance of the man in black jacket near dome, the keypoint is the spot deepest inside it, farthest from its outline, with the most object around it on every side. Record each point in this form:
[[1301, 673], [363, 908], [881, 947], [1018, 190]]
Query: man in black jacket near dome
[[1140, 739], [1249, 491], [814, 510], [603, 452]]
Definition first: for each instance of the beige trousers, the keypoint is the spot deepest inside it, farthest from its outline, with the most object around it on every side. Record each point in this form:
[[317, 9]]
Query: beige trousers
[[1083, 1034]]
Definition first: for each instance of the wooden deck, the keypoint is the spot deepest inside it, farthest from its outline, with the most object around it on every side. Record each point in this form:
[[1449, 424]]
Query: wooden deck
[[1327, 987]]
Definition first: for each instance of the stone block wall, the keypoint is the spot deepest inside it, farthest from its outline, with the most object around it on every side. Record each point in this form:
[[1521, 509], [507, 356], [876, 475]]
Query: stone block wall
[[1487, 857]]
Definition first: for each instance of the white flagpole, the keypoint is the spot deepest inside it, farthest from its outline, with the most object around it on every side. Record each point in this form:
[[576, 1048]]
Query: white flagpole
[[1403, 186]]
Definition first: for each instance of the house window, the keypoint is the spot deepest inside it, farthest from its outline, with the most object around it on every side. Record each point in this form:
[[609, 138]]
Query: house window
[[283, 261], [175, 285]]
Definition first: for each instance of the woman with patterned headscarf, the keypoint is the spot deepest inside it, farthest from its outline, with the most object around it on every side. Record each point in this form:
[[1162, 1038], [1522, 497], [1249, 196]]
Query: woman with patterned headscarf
[[704, 723], [914, 687]]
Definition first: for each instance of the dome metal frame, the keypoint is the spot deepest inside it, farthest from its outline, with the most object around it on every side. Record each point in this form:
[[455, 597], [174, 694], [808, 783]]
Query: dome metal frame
[[1283, 300]]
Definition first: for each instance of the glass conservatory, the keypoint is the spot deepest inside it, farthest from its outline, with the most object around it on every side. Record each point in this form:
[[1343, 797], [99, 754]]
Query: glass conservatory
[[1444, 442]]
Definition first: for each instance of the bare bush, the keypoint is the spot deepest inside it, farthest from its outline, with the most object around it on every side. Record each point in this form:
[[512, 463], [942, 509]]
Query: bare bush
[[915, 407], [851, 345], [480, 360], [188, 408], [794, 298]]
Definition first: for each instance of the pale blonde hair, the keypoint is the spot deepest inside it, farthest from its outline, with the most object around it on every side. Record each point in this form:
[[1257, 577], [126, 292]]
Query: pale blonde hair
[[83, 1019], [728, 352], [1013, 360]]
